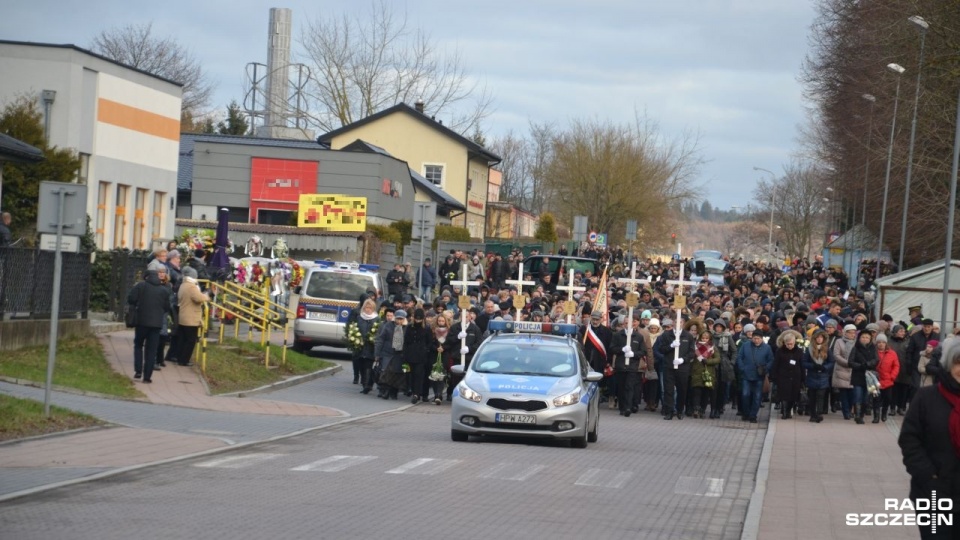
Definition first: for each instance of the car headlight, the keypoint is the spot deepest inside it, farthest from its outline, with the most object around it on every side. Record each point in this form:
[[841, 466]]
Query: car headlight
[[467, 393], [569, 399]]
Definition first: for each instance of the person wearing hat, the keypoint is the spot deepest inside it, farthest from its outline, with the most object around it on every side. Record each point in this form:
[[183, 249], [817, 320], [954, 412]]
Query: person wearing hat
[[651, 377], [727, 349], [916, 345], [629, 361], [842, 372], [190, 299], [928, 365], [388, 354], [753, 362], [888, 366], [676, 370], [152, 302], [902, 384]]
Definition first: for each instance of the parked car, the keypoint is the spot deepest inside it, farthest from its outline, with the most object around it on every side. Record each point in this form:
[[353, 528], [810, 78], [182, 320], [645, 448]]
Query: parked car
[[534, 263], [707, 254], [712, 269]]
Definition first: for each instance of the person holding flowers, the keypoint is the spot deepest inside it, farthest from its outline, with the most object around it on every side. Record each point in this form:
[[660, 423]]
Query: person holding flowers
[[443, 355], [361, 337]]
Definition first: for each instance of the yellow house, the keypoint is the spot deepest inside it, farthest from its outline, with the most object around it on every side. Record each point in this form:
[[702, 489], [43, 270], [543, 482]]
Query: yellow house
[[459, 166]]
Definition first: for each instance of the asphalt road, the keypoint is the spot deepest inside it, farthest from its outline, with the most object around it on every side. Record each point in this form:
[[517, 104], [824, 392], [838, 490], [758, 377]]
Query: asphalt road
[[400, 476]]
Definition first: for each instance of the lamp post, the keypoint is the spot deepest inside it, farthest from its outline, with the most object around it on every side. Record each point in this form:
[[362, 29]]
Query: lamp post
[[948, 256], [898, 69], [866, 168], [922, 26], [773, 198]]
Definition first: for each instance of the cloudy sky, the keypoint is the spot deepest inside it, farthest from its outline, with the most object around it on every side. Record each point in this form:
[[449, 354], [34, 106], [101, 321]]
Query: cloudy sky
[[724, 68]]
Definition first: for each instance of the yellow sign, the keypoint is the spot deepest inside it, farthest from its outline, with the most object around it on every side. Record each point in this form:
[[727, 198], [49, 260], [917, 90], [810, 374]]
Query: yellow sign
[[633, 299], [338, 213], [519, 301], [463, 302], [679, 302], [569, 307]]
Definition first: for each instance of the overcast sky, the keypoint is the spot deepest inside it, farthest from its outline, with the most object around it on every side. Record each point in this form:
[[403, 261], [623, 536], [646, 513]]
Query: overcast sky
[[725, 68]]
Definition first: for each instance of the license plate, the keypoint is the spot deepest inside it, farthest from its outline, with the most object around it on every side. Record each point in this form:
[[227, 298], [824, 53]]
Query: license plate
[[319, 316], [505, 418]]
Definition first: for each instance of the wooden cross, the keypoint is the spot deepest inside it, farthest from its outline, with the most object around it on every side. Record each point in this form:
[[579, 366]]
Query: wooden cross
[[519, 282], [679, 302], [463, 284], [570, 289], [631, 282]]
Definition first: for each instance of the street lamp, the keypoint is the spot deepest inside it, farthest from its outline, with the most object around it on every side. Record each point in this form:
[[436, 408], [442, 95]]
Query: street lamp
[[898, 69], [922, 26], [866, 171], [773, 198], [948, 256]]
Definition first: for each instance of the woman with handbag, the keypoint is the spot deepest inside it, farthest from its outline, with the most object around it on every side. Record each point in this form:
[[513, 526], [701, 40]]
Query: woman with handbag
[[863, 358], [787, 372]]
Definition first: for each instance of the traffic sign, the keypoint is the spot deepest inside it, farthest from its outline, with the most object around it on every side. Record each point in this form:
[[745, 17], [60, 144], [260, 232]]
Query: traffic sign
[[601, 239], [592, 237]]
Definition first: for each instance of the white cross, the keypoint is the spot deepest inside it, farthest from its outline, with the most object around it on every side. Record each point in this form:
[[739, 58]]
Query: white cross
[[519, 282], [570, 289], [631, 282], [463, 284], [678, 292]]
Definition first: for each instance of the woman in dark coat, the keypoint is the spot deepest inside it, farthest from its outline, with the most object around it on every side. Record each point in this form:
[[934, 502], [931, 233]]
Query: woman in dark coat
[[787, 371], [417, 343], [818, 363], [388, 351], [368, 323], [930, 439], [862, 357]]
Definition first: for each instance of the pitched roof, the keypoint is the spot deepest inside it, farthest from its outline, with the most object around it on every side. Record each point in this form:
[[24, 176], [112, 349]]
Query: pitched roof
[[12, 149], [87, 52], [404, 108], [858, 237], [187, 140], [432, 189]]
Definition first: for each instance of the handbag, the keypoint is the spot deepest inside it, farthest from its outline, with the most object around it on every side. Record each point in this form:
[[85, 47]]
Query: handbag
[[131, 312], [873, 383]]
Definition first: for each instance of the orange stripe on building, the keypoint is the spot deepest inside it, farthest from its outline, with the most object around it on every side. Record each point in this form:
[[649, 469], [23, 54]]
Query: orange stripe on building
[[125, 116]]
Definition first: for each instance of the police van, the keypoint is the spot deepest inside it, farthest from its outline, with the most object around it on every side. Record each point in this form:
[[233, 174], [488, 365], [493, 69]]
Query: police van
[[329, 292]]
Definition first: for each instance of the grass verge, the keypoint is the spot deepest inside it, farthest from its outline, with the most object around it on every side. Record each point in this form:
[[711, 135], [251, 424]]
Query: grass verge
[[237, 365], [80, 364], [21, 418]]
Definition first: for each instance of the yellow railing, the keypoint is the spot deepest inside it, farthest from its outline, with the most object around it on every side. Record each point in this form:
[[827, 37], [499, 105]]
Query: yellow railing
[[253, 307]]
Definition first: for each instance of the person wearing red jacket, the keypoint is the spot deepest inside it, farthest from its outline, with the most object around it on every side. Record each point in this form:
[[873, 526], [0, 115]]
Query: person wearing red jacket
[[888, 368]]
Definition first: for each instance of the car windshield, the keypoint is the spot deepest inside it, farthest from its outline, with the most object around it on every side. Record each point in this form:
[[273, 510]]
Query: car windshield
[[714, 266], [530, 358], [338, 286], [707, 254]]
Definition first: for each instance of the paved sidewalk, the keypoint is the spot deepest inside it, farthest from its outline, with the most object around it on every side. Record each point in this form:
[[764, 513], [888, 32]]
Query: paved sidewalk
[[818, 473]]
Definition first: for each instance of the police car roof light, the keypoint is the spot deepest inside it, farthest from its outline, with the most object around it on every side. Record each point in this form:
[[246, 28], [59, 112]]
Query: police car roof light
[[370, 267], [527, 327]]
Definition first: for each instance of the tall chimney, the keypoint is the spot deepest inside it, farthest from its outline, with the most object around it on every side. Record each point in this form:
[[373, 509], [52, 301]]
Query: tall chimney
[[278, 67], [419, 105]]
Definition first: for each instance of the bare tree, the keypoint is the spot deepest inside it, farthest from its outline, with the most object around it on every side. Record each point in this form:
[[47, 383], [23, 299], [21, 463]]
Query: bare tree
[[612, 173], [797, 203], [368, 63], [137, 46], [515, 153]]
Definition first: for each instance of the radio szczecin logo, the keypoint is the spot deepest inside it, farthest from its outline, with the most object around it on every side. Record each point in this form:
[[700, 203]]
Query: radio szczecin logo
[[931, 512]]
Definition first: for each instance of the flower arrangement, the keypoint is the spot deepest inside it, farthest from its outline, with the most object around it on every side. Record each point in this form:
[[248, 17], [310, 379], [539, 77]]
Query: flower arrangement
[[241, 273], [437, 373], [354, 338], [257, 275], [296, 273]]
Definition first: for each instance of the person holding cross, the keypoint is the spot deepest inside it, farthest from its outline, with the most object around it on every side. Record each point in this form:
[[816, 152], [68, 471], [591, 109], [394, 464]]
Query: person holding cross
[[631, 355]]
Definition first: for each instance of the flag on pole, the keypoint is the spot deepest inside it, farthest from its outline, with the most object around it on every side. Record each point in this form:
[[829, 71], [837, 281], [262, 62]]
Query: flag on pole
[[602, 307]]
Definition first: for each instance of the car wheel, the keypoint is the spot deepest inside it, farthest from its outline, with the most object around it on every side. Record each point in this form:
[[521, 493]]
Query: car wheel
[[301, 347], [592, 436], [579, 442], [458, 436]]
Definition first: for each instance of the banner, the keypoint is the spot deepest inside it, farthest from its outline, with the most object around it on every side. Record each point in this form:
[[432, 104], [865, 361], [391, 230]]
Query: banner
[[336, 213]]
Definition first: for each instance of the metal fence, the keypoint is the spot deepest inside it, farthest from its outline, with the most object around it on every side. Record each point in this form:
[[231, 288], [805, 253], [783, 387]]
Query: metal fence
[[126, 269], [26, 284]]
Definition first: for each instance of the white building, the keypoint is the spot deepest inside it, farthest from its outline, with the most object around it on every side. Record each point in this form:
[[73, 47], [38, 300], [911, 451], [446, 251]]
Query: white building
[[125, 125]]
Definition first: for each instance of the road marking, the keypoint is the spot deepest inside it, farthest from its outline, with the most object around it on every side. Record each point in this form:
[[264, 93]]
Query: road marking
[[604, 478], [334, 463], [425, 466], [512, 471], [237, 462], [699, 485]]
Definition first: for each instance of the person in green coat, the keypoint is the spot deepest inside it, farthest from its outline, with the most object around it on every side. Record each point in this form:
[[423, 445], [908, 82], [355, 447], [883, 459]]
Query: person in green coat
[[703, 373]]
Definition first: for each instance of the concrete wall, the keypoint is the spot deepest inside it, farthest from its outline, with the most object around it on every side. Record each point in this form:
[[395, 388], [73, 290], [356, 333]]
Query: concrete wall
[[17, 334]]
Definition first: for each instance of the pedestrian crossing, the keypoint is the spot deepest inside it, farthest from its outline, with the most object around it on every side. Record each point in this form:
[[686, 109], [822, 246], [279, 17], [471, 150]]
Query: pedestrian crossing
[[504, 471]]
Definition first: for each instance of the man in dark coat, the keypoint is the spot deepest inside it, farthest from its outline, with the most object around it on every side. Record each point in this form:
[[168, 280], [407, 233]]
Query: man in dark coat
[[397, 281], [449, 271], [467, 329], [596, 350], [916, 345], [629, 362], [676, 378], [151, 299], [753, 362]]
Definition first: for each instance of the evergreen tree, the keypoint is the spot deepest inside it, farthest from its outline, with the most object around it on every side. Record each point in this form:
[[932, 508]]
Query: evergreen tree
[[546, 229], [235, 123], [23, 120]]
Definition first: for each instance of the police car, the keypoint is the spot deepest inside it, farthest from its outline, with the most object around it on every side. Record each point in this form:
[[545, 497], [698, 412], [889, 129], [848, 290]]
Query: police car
[[330, 290], [529, 379]]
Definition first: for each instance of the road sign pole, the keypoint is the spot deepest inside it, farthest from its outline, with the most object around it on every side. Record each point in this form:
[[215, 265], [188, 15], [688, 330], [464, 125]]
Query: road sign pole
[[55, 303]]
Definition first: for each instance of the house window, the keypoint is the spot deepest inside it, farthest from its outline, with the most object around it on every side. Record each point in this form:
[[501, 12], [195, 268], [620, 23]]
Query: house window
[[158, 199], [139, 220], [120, 217], [434, 173], [102, 213]]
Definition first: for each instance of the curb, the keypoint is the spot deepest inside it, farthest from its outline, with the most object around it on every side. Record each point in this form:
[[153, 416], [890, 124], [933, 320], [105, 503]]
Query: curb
[[751, 524], [121, 470], [70, 390], [287, 383], [11, 442]]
